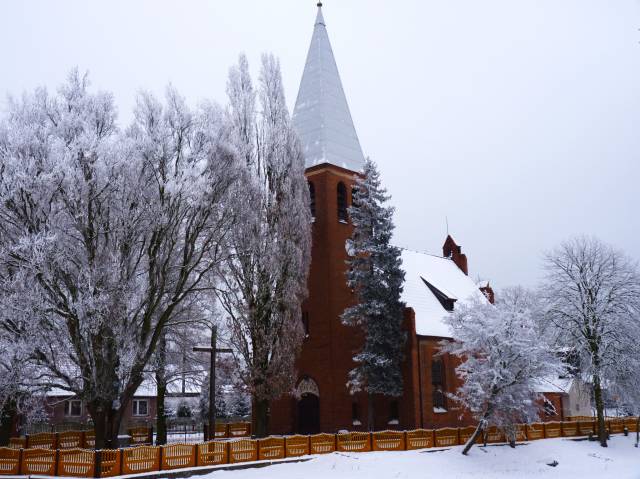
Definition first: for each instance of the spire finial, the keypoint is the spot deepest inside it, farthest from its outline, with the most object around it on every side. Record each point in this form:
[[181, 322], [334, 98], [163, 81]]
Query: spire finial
[[320, 4]]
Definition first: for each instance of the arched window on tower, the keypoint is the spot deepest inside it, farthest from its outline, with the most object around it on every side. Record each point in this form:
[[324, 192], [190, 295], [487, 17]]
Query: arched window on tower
[[342, 202], [312, 200]]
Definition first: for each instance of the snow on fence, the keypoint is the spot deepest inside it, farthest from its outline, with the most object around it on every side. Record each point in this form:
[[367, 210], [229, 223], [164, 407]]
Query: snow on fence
[[322, 443], [552, 429], [494, 435], [447, 436], [353, 442], [76, 463], [296, 446], [140, 459], [79, 462], [419, 439], [243, 450], [570, 428], [109, 462], [42, 440], [18, 443], [388, 441], [10, 461], [535, 431], [71, 440], [38, 461], [141, 436], [178, 456], [213, 453], [271, 448]]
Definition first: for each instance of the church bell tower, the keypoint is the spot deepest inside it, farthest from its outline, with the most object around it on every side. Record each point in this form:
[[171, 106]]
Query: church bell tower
[[333, 157]]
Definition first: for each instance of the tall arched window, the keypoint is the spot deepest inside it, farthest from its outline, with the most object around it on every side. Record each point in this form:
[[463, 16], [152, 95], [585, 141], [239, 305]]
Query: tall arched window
[[438, 385], [312, 199], [342, 202]]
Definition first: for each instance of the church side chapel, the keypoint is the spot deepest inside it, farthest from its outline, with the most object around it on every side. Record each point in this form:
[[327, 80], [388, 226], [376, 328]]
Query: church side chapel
[[433, 284]]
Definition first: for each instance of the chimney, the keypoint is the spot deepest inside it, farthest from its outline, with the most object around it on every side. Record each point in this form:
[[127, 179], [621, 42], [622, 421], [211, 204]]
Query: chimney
[[487, 290], [451, 250]]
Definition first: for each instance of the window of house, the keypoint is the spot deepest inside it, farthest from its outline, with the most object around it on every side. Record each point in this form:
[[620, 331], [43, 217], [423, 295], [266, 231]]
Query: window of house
[[437, 372], [140, 407], [438, 385], [342, 202], [355, 414], [73, 408], [312, 199], [305, 323], [439, 400], [394, 414]]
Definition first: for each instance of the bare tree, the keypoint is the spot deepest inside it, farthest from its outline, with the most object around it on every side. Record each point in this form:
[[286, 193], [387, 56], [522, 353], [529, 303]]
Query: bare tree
[[592, 294], [265, 278]]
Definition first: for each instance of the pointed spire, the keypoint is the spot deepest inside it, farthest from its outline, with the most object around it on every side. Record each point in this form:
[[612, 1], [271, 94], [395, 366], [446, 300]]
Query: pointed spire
[[321, 115]]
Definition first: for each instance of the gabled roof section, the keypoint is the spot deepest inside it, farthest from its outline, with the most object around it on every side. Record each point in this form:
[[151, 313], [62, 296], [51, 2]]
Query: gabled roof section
[[424, 270], [321, 116]]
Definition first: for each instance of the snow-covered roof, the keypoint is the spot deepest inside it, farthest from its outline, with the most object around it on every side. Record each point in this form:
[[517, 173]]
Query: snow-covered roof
[[321, 116], [442, 274], [554, 385], [146, 389]]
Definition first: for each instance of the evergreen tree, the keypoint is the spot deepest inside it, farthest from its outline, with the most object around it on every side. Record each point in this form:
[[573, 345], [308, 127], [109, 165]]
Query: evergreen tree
[[376, 277]]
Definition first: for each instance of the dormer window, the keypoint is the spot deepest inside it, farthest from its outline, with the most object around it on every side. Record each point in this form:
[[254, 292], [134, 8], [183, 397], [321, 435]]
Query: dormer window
[[342, 202]]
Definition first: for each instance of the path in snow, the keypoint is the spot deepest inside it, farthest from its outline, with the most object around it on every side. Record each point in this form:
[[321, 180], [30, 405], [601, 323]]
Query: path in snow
[[576, 459]]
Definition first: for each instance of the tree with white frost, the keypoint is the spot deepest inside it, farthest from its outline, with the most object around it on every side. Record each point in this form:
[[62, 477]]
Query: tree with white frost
[[592, 295], [376, 277], [503, 356], [265, 277], [107, 236]]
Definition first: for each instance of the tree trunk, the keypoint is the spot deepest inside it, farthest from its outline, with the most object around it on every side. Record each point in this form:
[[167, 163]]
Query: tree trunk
[[370, 413], [7, 418], [98, 418], [597, 394], [161, 425], [161, 389], [261, 419], [638, 431], [106, 423], [472, 439]]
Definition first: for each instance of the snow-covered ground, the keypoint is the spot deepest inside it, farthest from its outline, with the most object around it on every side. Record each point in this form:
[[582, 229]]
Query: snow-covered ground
[[576, 459]]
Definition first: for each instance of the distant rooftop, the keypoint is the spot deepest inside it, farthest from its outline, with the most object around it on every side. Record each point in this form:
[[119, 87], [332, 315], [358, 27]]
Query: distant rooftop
[[321, 116]]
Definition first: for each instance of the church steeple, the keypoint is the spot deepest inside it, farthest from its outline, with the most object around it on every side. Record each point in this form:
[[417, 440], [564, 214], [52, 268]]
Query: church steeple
[[321, 115]]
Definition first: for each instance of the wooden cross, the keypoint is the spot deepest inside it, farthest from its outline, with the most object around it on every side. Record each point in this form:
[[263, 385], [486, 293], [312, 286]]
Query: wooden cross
[[213, 351]]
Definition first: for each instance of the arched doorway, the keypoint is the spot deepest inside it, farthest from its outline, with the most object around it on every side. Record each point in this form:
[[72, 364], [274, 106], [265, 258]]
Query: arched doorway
[[308, 407]]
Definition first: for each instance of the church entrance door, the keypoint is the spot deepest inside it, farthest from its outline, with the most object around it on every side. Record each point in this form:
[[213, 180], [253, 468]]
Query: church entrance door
[[309, 414]]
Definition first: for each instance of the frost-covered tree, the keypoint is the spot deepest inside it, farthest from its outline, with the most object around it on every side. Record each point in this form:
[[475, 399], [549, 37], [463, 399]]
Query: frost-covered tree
[[376, 277], [503, 355], [265, 278], [112, 232], [592, 294], [19, 375]]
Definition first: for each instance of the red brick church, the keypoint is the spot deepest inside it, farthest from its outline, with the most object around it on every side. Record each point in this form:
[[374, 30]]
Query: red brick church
[[434, 284]]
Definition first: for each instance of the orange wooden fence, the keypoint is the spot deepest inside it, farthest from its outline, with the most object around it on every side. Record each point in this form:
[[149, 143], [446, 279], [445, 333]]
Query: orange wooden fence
[[296, 446], [388, 441], [213, 453], [71, 461]]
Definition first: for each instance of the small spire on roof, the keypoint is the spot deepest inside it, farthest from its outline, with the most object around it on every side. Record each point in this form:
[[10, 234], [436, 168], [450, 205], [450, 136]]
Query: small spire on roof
[[320, 4]]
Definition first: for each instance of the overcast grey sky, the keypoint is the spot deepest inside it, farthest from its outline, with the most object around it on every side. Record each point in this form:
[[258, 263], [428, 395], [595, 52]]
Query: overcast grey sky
[[518, 120]]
